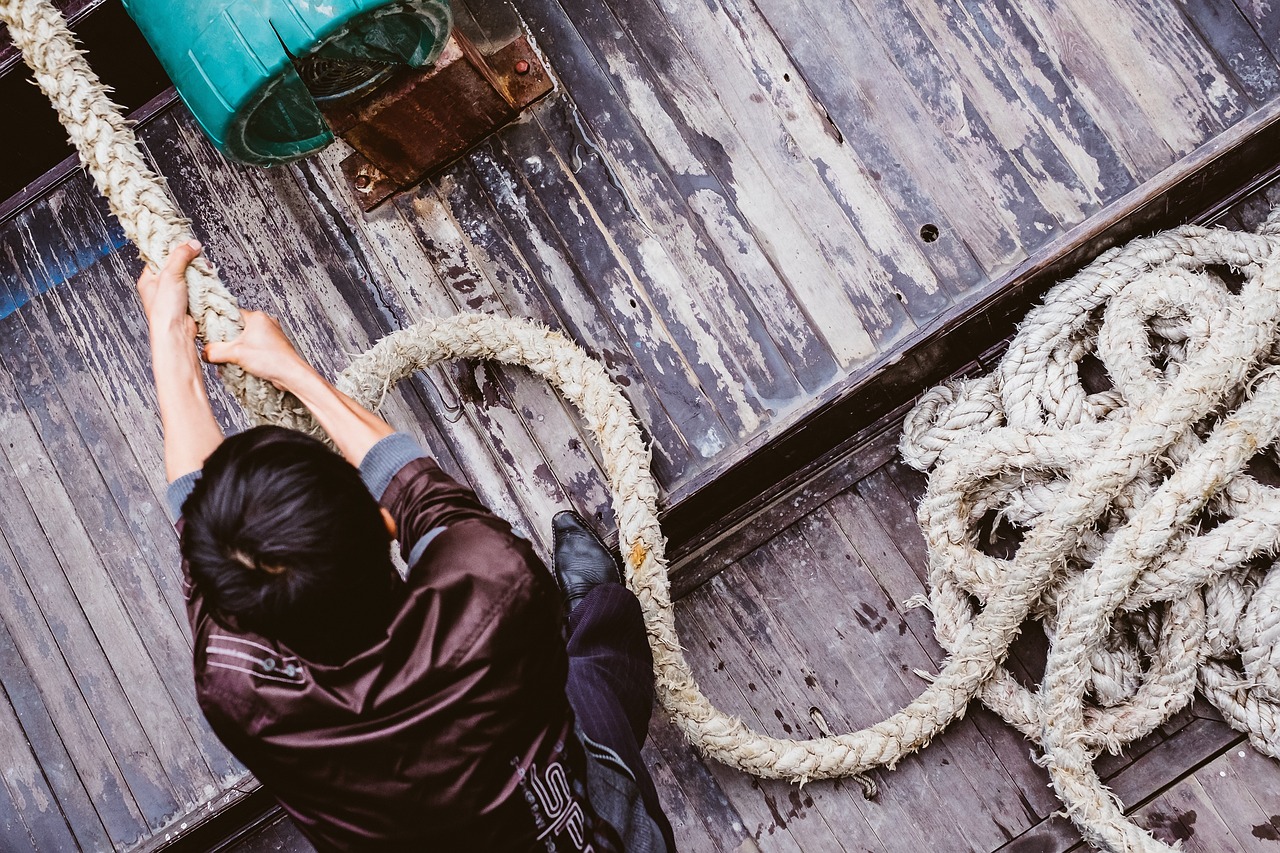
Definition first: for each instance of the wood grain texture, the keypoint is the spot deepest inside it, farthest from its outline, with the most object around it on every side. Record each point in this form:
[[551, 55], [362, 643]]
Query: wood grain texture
[[741, 208]]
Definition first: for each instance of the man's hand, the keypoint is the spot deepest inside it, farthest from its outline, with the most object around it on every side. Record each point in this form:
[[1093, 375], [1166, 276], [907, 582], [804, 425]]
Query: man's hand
[[190, 431], [164, 294], [261, 349]]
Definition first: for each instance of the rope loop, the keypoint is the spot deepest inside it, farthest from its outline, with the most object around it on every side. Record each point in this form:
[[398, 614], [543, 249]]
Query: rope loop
[[1112, 447], [1143, 544]]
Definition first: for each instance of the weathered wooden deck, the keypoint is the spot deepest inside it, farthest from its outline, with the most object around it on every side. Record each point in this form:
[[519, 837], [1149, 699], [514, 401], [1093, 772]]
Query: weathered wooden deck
[[745, 209], [810, 615]]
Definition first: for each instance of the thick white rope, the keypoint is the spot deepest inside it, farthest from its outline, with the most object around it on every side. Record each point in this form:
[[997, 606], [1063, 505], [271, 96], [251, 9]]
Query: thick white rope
[[1105, 519], [137, 196], [1150, 548]]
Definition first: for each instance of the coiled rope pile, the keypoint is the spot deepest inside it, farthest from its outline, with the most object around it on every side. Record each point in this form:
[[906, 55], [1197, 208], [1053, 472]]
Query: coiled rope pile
[[1115, 490], [1147, 548]]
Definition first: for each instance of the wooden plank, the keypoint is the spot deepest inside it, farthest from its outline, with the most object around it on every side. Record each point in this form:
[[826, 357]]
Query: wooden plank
[[744, 321], [117, 572], [1053, 35], [62, 485], [562, 305], [12, 829], [775, 629], [783, 69], [541, 276], [754, 801], [702, 818], [669, 200], [852, 681], [471, 251], [748, 71], [753, 679], [1177, 83], [980, 745], [721, 546], [48, 798], [1191, 190], [895, 574], [993, 138], [1264, 17], [705, 391], [1237, 45], [851, 66], [690, 117], [1185, 816], [608, 294], [1069, 165], [145, 562], [1199, 742], [997, 38], [568, 455], [1161, 766], [99, 321], [1243, 787], [38, 606]]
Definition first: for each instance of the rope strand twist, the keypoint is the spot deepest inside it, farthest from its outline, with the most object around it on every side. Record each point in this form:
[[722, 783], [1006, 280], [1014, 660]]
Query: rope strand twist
[[1113, 490]]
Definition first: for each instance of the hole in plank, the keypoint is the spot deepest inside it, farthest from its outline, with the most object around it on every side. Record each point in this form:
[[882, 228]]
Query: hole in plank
[[929, 232]]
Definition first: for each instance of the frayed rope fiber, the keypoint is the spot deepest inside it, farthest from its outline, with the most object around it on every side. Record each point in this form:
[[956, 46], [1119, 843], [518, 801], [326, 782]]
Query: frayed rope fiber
[[1145, 549]]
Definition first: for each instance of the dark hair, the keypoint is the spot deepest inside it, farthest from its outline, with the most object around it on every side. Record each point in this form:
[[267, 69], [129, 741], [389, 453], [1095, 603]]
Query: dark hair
[[284, 540]]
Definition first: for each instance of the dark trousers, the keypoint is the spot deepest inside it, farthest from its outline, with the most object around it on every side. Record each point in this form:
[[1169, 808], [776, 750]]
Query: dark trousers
[[610, 684]]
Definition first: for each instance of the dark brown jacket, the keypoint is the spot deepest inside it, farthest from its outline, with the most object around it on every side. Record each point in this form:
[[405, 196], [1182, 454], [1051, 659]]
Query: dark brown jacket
[[452, 732]]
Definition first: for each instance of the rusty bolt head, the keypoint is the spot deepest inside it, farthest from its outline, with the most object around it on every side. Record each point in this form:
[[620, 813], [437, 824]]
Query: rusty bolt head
[[522, 66], [363, 182]]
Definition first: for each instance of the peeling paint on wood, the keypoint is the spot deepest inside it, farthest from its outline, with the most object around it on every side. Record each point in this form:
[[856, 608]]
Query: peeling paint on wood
[[736, 206]]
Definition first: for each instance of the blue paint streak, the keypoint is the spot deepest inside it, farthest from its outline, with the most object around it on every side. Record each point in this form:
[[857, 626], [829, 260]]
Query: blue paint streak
[[55, 270]]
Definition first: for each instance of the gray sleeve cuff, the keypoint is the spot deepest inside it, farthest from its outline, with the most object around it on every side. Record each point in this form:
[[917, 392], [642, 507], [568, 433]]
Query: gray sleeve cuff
[[178, 492], [385, 459]]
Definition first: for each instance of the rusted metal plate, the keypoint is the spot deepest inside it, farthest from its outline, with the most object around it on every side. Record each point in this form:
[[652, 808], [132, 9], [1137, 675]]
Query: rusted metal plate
[[423, 120], [371, 185]]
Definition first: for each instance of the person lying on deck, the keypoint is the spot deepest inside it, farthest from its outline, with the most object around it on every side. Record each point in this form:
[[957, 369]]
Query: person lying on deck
[[442, 711]]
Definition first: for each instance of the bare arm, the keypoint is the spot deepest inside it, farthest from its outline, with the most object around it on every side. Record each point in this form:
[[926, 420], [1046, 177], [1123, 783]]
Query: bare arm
[[265, 351], [191, 432]]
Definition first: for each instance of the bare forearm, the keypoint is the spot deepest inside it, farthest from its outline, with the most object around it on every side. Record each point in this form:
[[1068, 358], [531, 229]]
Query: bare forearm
[[353, 428], [191, 432]]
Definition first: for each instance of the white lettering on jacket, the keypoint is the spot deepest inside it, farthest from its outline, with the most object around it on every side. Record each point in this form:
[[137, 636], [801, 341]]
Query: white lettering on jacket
[[551, 787]]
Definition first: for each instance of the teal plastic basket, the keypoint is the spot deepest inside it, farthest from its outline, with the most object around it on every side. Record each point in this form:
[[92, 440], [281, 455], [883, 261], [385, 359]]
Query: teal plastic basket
[[236, 62]]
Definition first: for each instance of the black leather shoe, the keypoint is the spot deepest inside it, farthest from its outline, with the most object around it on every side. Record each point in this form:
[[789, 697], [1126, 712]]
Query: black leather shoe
[[582, 560]]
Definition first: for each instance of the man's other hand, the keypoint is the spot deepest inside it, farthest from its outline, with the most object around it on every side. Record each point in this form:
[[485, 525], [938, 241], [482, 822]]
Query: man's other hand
[[261, 349], [164, 294]]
